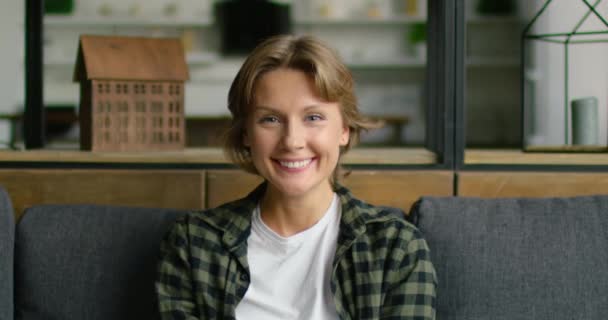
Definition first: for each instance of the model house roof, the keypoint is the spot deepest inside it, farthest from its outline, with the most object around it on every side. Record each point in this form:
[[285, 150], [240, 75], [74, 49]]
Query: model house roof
[[130, 58]]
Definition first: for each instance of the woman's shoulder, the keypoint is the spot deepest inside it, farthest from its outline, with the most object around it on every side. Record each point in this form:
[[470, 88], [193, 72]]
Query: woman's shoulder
[[233, 215], [379, 224], [358, 210], [393, 223], [232, 218]]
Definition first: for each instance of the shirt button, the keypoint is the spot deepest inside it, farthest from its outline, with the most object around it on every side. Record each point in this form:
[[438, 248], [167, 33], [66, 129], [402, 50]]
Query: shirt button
[[244, 277]]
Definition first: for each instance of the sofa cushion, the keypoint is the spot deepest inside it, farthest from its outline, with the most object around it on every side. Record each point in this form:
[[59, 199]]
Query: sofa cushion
[[88, 262], [7, 242], [518, 258]]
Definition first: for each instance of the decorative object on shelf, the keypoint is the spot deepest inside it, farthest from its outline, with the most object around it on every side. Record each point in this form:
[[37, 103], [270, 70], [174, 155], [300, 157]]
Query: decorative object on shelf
[[58, 6], [171, 9], [496, 7], [105, 10], [61, 120], [187, 37], [376, 9], [584, 121], [330, 9], [131, 93], [417, 40], [589, 32], [414, 8], [134, 9], [244, 23]]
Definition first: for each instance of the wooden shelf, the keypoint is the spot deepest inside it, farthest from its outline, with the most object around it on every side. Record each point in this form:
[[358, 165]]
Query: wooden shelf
[[192, 58], [76, 21], [491, 61], [387, 63], [374, 156], [518, 157], [489, 19], [354, 21]]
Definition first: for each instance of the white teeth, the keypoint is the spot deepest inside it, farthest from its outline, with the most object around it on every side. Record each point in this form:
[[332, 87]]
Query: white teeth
[[295, 164]]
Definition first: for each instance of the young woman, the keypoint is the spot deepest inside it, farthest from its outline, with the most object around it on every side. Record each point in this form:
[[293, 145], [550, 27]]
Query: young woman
[[299, 246]]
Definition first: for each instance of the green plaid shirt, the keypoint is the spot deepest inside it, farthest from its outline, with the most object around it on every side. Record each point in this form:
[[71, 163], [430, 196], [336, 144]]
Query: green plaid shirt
[[381, 268]]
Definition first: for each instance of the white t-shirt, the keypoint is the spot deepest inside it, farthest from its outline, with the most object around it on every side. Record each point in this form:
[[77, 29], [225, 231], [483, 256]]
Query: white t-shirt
[[290, 276]]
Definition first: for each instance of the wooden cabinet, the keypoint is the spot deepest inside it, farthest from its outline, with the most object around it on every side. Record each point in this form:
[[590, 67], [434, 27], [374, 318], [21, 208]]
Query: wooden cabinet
[[388, 188], [145, 188], [196, 189], [531, 184]]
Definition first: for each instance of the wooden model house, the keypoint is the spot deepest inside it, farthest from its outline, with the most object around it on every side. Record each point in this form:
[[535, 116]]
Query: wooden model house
[[131, 93]]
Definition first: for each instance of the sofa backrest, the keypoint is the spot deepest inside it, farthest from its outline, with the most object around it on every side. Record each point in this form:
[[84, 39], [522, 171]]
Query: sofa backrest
[[88, 261], [7, 243], [518, 258]]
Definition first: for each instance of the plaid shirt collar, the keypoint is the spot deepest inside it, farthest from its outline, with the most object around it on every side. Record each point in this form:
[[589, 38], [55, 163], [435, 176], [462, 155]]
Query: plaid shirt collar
[[233, 219]]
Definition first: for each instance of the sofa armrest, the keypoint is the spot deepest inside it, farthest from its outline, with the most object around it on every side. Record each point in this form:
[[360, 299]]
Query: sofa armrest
[[7, 244]]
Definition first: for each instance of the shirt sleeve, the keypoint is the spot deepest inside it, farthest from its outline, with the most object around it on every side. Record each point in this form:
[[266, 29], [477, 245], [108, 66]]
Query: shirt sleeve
[[413, 282], [174, 282]]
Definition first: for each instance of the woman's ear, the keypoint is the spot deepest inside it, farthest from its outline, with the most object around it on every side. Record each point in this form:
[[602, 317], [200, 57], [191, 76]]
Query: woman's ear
[[345, 136]]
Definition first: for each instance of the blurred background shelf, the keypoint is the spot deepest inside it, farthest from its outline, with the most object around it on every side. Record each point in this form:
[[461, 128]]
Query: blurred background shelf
[[384, 46], [67, 154], [124, 22], [382, 21]]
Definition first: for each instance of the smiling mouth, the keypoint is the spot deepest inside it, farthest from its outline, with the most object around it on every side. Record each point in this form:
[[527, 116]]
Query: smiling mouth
[[295, 164]]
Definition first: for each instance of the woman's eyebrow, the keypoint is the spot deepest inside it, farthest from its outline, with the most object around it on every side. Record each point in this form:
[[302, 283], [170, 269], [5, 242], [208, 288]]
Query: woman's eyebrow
[[271, 109], [312, 107], [258, 109]]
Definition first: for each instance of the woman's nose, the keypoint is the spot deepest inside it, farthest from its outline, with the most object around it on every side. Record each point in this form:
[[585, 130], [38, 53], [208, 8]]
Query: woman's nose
[[293, 137]]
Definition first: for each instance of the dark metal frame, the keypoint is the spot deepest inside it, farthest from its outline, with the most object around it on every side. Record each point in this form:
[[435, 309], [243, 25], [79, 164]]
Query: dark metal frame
[[440, 82], [446, 82], [459, 84], [34, 121]]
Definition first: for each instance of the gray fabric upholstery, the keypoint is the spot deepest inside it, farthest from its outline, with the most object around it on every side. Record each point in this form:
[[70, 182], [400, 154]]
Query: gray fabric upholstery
[[7, 242], [88, 262], [518, 258]]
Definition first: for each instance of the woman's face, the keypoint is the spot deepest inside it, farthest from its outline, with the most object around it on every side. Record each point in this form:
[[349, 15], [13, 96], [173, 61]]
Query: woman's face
[[294, 135]]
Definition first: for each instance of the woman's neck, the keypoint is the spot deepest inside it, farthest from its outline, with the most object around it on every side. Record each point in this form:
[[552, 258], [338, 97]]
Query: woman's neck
[[290, 215]]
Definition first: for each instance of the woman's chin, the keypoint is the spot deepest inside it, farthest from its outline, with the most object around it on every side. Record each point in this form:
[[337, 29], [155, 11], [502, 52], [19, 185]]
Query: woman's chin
[[297, 189]]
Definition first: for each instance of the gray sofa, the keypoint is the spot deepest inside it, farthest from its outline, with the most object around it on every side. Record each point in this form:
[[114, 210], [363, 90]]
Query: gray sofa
[[542, 259], [495, 259], [81, 261]]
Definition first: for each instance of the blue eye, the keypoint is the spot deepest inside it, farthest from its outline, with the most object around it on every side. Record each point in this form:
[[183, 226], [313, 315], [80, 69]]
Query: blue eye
[[314, 117], [268, 119]]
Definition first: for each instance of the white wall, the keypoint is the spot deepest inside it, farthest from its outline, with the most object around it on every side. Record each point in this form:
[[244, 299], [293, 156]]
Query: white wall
[[11, 62], [11, 54]]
